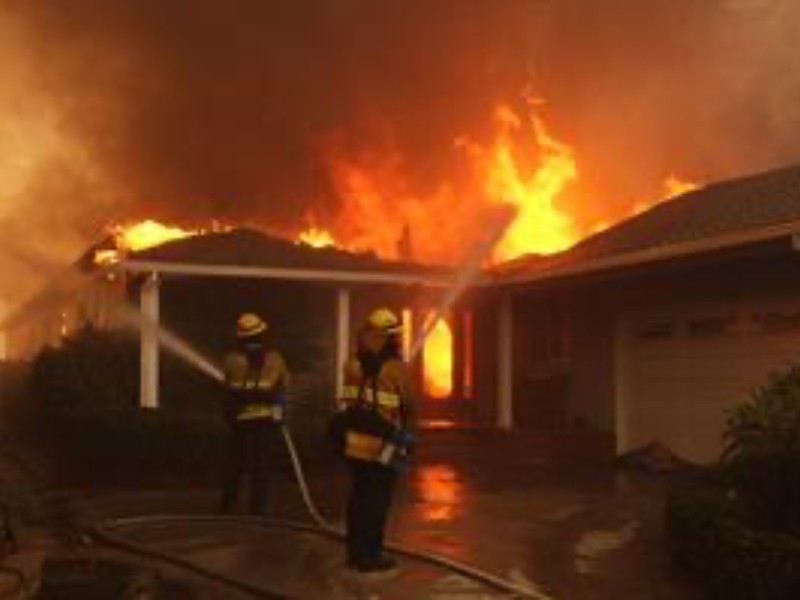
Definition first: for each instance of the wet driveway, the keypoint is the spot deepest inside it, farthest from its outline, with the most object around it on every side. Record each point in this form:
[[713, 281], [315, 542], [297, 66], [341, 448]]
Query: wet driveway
[[561, 529]]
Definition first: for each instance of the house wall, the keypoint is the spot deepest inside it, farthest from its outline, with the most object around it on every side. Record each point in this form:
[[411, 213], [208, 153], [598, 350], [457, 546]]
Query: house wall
[[484, 304], [590, 400], [598, 379]]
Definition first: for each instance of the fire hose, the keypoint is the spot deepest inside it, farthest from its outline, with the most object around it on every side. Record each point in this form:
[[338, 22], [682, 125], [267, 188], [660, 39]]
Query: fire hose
[[107, 532]]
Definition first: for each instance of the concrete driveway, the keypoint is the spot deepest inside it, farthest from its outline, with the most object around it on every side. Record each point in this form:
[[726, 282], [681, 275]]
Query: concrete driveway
[[561, 528]]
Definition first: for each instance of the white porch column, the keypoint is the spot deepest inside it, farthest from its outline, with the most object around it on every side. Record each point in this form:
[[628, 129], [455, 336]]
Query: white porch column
[[505, 363], [342, 336], [148, 372]]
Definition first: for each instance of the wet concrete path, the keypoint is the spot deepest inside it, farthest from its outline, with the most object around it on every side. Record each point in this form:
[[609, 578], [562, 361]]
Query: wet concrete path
[[563, 531]]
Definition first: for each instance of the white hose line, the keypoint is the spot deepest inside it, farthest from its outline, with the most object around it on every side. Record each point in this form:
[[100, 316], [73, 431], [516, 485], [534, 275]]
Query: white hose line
[[435, 559], [467, 571], [322, 526], [299, 475]]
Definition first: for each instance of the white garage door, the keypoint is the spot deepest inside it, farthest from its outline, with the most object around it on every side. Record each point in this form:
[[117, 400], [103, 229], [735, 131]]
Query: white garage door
[[681, 370]]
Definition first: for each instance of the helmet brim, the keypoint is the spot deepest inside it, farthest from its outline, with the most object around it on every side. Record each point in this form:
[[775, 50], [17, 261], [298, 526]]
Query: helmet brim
[[252, 331]]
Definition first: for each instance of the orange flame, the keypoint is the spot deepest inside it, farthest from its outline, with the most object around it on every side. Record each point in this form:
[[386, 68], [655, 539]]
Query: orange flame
[[675, 186], [316, 238], [539, 226], [145, 234], [438, 361], [524, 166]]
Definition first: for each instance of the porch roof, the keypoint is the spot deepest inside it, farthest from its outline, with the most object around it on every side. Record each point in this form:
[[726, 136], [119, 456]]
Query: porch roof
[[247, 253]]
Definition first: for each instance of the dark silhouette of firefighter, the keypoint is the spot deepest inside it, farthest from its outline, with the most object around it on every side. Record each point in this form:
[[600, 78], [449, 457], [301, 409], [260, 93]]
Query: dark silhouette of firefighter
[[374, 436], [256, 379]]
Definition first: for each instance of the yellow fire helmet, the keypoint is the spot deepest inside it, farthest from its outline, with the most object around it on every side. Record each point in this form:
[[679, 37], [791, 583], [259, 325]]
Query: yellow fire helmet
[[385, 322], [249, 325]]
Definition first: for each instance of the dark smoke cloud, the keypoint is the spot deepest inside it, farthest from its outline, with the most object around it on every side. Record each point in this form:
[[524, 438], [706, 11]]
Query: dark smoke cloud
[[197, 109]]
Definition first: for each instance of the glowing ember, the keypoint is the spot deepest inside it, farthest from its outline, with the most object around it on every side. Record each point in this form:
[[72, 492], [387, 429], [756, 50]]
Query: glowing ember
[[316, 238], [675, 186], [438, 361]]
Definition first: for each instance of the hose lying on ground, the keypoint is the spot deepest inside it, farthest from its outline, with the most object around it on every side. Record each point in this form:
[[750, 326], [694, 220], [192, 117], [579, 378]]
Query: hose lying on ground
[[106, 533]]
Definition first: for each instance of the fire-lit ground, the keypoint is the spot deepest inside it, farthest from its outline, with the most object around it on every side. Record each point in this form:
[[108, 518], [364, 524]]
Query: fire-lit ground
[[540, 519]]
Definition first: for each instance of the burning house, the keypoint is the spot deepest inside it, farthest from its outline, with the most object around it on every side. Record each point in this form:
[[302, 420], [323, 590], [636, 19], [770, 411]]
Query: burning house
[[648, 331], [658, 326], [195, 285]]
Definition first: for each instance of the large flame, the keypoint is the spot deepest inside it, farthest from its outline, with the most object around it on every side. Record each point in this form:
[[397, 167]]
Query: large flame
[[438, 361], [524, 166], [539, 226]]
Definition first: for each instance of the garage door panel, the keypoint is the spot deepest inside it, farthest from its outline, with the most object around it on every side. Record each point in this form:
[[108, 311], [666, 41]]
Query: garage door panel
[[679, 389]]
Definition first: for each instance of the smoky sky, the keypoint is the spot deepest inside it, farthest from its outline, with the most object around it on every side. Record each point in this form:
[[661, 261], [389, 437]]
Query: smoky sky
[[197, 109]]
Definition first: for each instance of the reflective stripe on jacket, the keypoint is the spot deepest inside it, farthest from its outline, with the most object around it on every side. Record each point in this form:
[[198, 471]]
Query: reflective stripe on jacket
[[386, 393], [260, 393]]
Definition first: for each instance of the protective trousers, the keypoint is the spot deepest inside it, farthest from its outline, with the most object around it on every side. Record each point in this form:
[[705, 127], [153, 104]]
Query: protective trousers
[[367, 510], [251, 453]]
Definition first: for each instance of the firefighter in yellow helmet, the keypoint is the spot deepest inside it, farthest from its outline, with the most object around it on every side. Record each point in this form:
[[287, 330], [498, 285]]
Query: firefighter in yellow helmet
[[375, 381], [256, 379]]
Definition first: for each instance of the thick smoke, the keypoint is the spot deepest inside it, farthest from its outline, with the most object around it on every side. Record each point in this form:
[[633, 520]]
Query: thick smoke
[[197, 109]]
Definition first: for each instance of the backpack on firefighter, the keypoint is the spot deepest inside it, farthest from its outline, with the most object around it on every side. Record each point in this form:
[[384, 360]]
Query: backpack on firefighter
[[371, 423]]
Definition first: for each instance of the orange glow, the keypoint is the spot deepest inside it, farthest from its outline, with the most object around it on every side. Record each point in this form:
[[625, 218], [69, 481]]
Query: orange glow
[[408, 332], [438, 424], [539, 225], [523, 166], [437, 356], [147, 234], [316, 238], [675, 186], [442, 492], [143, 235]]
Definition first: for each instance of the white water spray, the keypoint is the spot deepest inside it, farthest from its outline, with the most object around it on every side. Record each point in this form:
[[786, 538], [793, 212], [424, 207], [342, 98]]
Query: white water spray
[[130, 316], [467, 273]]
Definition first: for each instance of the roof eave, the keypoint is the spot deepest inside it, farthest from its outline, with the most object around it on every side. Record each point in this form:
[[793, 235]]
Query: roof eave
[[292, 274], [655, 254]]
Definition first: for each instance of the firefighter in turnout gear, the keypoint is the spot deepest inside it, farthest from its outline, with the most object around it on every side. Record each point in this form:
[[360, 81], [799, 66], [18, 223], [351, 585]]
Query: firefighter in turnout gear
[[256, 379], [376, 385]]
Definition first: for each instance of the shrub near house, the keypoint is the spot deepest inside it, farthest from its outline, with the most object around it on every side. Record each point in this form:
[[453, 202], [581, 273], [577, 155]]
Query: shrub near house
[[82, 404], [738, 527]]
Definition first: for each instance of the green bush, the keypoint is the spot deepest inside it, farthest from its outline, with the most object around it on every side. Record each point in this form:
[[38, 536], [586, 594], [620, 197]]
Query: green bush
[[762, 452], [711, 539]]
